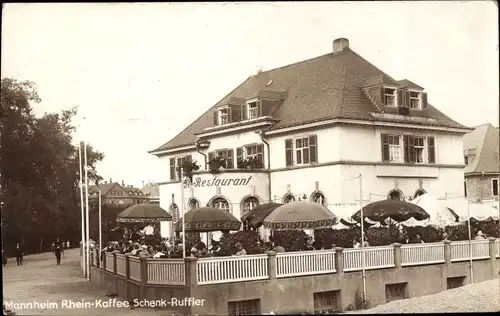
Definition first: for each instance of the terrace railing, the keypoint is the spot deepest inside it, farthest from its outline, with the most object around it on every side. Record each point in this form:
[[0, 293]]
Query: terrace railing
[[282, 265]]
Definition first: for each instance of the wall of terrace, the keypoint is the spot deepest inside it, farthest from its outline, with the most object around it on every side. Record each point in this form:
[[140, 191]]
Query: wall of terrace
[[295, 281]]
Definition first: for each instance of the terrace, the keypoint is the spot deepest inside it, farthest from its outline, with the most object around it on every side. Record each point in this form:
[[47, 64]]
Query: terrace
[[132, 277]]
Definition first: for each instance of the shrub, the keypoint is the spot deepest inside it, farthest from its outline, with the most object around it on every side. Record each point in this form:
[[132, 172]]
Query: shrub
[[427, 233], [192, 238], [247, 238], [383, 236], [339, 237], [291, 240], [456, 233]]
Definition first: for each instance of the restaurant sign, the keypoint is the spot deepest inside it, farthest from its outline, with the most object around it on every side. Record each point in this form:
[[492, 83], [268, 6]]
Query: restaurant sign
[[216, 182]]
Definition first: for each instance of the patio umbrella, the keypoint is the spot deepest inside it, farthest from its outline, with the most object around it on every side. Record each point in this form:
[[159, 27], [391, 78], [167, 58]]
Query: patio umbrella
[[143, 213], [255, 217], [300, 215], [397, 210], [208, 219]]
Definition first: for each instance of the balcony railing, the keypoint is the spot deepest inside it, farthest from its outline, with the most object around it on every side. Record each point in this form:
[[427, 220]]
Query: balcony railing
[[292, 264]]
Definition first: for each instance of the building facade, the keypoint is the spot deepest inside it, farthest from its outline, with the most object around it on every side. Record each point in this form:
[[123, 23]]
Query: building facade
[[481, 151], [308, 131], [115, 193]]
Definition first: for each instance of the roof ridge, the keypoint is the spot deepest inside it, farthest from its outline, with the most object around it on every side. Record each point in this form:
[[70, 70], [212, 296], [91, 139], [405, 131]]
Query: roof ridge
[[303, 61], [208, 110]]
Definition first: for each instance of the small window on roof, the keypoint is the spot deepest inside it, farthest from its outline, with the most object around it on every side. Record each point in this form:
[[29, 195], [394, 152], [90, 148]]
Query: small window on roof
[[270, 81]]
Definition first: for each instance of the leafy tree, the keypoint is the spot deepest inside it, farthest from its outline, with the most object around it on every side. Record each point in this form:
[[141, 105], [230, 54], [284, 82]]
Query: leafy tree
[[39, 170]]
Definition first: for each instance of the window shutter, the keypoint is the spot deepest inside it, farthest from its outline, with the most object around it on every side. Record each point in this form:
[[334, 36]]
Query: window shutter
[[385, 147], [259, 107], [382, 96], [260, 153], [239, 156], [244, 110], [400, 97], [313, 148], [230, 159], [406, 146], [210, 156], [289, 152], [172, 169], [229, 115], [431, 150], [424, 100], [189, 158], [216, 118], [235, 113], [406, 98], [411, 148]]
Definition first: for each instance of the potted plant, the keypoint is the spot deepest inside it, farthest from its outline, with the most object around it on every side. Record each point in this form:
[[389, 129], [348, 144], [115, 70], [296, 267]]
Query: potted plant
[[216, 163], [188, 167], [251, 163]]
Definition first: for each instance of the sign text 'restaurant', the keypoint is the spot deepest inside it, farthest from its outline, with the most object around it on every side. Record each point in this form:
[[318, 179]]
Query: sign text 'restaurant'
[[197, 182]]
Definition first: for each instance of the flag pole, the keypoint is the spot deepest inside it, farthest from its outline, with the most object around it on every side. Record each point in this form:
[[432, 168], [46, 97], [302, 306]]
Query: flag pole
[[84, 257], [470, 243], [182, 212], [100, 223], [87, 230], [363, 275]]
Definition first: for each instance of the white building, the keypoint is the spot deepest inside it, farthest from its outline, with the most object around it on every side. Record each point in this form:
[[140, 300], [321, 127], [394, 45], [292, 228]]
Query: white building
[[315, 126]]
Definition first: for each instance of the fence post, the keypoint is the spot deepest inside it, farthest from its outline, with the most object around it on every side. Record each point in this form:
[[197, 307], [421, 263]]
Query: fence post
[[127, 275], [398, 260], [115, 276], [144, 278], [339, 260], [272, 264], [447, 251], [191, 271], [493, 255]]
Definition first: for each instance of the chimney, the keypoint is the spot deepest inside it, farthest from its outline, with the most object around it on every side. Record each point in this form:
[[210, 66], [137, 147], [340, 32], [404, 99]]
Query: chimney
[[123, 183], [339, 44], [110, 180]]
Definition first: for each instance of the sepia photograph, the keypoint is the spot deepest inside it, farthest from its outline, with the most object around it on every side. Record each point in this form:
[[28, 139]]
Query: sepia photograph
[[250, 158]]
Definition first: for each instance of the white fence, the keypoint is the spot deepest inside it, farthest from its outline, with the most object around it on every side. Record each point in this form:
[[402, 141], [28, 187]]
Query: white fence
[[166, 271], [422, 254], [497, 247], [109, 261], [375, 258], [305, 263], [135, 268], [121, 268], [232, 269], [460, 250]]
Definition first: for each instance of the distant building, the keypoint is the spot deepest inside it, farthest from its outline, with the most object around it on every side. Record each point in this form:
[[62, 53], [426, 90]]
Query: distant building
[[152, 191], [481, 148], [118, 194]]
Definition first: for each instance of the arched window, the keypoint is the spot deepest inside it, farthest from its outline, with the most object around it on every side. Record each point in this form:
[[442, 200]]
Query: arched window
[[318, 198], [288, 198], [419, 192], [193, 203], [174, 210], [396, 195], [250, 203], [221, 203]]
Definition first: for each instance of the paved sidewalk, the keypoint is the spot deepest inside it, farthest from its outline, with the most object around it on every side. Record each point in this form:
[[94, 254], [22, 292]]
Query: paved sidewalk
[[40, 280]]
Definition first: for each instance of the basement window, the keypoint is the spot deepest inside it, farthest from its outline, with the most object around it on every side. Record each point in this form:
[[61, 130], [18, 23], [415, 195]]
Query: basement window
[[454, 282], [395, 291], [326, 302], [248, 307]]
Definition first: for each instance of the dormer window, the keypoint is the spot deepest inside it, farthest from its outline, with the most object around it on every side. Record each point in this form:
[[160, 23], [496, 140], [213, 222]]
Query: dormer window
[[253, 110], [414, 100], [223, 116], [389, 96]]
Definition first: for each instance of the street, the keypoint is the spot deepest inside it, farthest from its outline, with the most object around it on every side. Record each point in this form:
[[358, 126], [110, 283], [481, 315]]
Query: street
[[40, 281]]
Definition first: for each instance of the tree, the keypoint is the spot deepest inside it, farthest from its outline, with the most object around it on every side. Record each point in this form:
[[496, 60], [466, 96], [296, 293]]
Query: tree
[[39, 170]]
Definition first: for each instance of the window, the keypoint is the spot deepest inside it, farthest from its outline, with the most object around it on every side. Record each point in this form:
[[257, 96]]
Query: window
[[253, 110], [249, 204], [414, 149], [318, 198], [466, 160], [221, 203], [121, 202], [175, 165], [494, 186], [454, 282], [226, 154], [193, 204], [396, 195], [249, 307], [326, 302], [465, 188], [174, 210], [414, 100], [391, 148], [389, 96], [288, 198], [418, 147], [395, 291], [223, 116], [303, 149]]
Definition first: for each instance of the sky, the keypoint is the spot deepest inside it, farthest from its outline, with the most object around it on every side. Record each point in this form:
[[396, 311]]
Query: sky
[[140, 73]]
